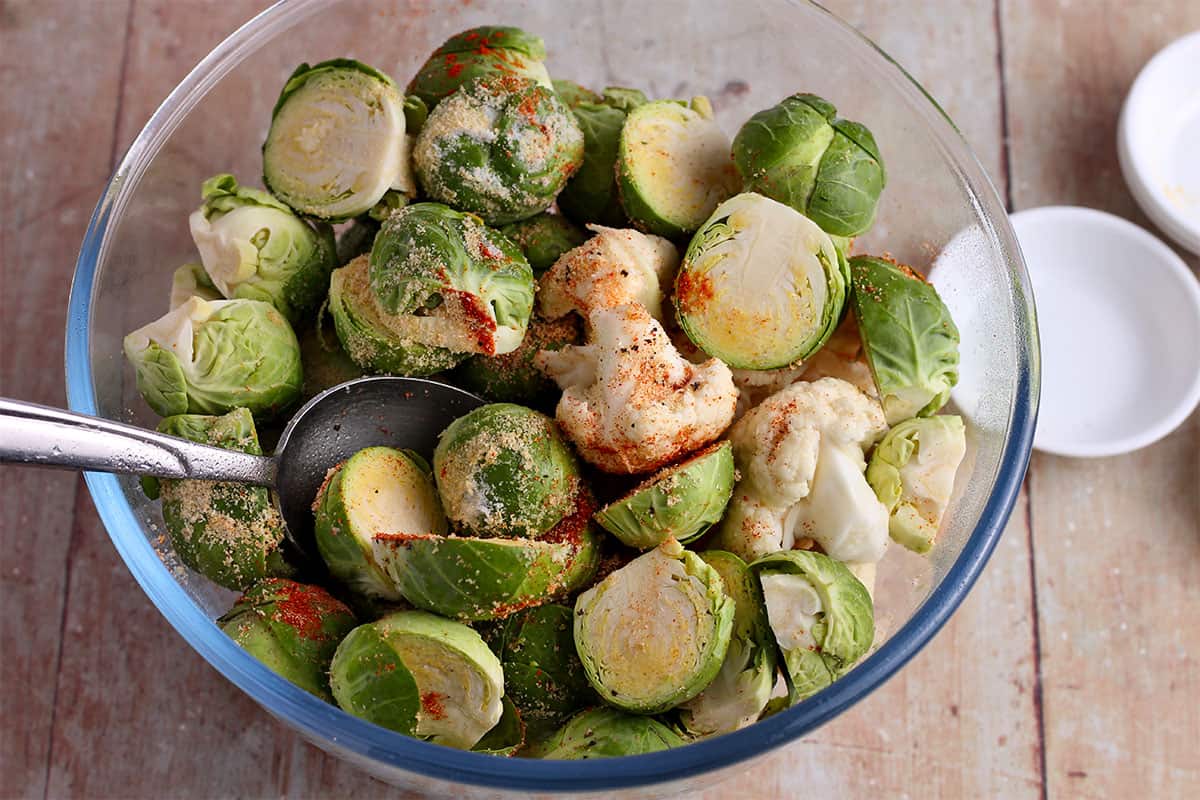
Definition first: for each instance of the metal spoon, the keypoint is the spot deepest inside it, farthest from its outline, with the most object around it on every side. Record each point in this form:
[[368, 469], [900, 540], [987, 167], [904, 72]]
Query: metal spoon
[[331, 427]]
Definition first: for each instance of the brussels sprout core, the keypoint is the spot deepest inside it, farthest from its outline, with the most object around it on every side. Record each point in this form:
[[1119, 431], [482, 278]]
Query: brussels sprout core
[[607, 733], [653, 634], [761, 286]]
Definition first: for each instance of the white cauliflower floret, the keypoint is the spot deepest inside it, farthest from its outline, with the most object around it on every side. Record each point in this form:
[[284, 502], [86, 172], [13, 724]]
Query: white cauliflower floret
[[630, 402], [615, 267], [801, 457]]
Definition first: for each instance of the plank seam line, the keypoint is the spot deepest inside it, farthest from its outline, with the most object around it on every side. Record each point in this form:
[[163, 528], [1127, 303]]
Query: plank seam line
[[112, 153], [1005, 143]]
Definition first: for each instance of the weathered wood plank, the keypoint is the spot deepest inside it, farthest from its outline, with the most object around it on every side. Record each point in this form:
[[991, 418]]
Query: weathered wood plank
[[57, 137], [1117, 540]]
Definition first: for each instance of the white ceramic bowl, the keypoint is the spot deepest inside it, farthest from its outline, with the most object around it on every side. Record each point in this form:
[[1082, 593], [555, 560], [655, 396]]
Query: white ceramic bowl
[[1158, 140], [1119, 314]]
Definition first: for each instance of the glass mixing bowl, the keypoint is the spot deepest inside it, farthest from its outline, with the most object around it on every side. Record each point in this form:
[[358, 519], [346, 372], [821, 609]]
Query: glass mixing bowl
[[938, 213]]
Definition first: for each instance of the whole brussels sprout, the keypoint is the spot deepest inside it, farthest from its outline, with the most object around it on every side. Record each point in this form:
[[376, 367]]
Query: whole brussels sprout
[[654, 633], [491, 51], [912, 473], [500, 148], [543, 238], [376, 490], [422, 676], [255, 247], [504, 470], [210, 357], [189, 281], [513, 377], [802, 154], [760, 287], [606, 733], [230, 533], [590, 196], [337, 140], [679, 502], [291, 627], [820, 614], [910, 341]]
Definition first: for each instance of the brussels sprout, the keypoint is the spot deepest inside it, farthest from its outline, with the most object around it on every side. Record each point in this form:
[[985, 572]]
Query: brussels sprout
[[542, 672], [376, 490], [503, 470], [500, 148], [325, 362], [802, 154], [912, 473], [370, 337], [421, 675], [356, 240], [228, 532], [673, 167], [543, 238], [292, 628], [210, 357], [443, 279], [513, 377], [606, 733], [189, 281], [761, 286], [653, 634], [255, 247], [507, 737], [336, 143], [629, 99], [572, 93], [490, 51], [679, 502], [741, 690], [909, 338], [591, 193], [820, 614]]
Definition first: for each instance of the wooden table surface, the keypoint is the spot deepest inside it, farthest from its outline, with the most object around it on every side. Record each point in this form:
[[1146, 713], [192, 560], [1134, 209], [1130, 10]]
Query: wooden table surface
[[1072, 670]]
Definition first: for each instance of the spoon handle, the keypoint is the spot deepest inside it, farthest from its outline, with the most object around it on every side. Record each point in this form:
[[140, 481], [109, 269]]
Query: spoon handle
[[50, 437]]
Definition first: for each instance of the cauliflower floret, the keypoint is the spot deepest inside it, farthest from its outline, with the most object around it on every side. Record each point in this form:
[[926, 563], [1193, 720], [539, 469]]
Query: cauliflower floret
[[630, 402], [615, 267], [801, 457]]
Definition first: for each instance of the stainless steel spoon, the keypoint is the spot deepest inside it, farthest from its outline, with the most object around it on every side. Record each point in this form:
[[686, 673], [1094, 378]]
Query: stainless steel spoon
[[393, 412]]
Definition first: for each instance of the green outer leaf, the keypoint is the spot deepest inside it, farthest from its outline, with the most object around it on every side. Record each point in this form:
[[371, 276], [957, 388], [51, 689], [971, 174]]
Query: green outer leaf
[[508, 736], [161, 381], [848, 184], [910, 340], [370, 681], [845, 628], [573, 93], [543, 238], [606, 733], [625, 99], [490, 51], [473, 579], [591, 196], [415, 114], [681, 501], [292, 628], [645, 583]]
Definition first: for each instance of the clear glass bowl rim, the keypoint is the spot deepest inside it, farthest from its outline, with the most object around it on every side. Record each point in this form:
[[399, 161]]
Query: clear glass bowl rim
[[319, 721]]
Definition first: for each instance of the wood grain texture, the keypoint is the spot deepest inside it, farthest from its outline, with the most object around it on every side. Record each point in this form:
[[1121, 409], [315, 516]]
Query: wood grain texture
[[55, 149], [1117, 540]]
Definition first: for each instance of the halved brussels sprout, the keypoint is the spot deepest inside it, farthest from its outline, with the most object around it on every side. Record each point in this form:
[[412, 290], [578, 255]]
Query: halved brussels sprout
[[501, 148], [820, 614], [504, 470], [292, 628], [336, 143], [325, 362], [491, 51], [421, 675], [508, 735], [801, 153], [741, 690], [443, 279], [210, 357], [591, 194], [255, 247], [513, 377], [679, 502], [761, 286], [909, 338], [673, 166], [189, 281], [606, 733], [228, 532], [912, 473], [543, 238], [654, 633], [542, 672], [367, 333], [376, 490]]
